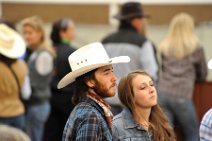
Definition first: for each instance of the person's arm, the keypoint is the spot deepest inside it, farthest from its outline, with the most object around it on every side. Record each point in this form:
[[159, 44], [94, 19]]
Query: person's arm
[[201, 66], [206, 126], [26, 88], [44, 63], [88, 129], [148, 60]]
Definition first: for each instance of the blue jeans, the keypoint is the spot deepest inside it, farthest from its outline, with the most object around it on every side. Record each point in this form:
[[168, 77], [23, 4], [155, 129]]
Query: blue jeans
[[183, 112], [17, 121], [35, 120]]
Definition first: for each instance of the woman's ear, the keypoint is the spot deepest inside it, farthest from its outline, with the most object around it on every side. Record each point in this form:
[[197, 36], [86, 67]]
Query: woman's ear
[[90, 83]]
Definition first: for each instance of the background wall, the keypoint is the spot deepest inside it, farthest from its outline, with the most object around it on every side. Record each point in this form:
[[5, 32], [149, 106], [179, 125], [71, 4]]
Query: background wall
[[94, 18], [94, 13]]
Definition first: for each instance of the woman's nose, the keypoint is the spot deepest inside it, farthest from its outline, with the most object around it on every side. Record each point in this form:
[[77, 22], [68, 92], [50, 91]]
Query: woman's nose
[[151, 89]]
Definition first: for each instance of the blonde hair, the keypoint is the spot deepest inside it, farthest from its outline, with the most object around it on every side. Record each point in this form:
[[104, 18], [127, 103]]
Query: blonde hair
[[8, 133], [180, 40], [37, 24], [162, 130]]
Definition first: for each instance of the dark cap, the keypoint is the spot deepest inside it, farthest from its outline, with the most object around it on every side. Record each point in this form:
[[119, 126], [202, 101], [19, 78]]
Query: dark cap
[[130, 10]]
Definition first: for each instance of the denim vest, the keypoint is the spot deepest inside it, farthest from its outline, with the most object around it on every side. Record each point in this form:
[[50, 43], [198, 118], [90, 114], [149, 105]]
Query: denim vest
[[125, 128]]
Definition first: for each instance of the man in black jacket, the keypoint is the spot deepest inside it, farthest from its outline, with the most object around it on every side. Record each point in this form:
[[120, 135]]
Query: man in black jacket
[[130, 40]]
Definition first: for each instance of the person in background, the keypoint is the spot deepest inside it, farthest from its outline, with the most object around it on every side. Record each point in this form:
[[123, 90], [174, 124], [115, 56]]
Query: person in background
[[92, 74], [62, 35], [8, 23], [130, 40], [142, 118], [182, 65], [40, 63], [8, 133], [13, 26], [205, 130], [14, 83]]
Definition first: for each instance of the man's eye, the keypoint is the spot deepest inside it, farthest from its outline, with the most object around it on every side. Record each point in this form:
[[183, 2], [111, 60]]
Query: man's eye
[[106, 73]]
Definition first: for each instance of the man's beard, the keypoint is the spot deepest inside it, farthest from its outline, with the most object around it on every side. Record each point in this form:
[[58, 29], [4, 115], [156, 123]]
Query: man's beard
[[101, 90]]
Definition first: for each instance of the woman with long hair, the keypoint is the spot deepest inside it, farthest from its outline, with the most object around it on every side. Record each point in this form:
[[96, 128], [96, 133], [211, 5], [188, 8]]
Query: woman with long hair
[[40, 58], [142, 118], [182, 64]]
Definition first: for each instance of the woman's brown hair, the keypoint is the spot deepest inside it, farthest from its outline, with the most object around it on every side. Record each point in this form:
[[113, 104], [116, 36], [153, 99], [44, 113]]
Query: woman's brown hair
[[162, 130]]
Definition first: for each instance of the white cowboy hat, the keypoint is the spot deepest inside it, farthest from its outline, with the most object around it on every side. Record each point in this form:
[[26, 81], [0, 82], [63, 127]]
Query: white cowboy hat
[[88, 58], [11, 43]]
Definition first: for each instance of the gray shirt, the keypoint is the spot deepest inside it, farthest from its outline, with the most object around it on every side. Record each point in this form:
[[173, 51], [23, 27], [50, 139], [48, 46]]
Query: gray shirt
[[178, 76]]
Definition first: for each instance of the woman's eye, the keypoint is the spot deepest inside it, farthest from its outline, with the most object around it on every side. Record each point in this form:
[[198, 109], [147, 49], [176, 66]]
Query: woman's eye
[[151, 84], [142, 87]]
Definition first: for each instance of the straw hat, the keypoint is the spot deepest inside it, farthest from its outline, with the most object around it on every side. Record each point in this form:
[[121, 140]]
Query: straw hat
[[11, 43], [88, 58]]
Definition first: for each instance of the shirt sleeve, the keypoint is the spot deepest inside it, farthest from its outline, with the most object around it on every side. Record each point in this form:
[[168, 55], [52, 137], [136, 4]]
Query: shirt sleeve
[[88, 129], [201, 66], [148, 60], [206, 127], [26, 88], [44, 63]]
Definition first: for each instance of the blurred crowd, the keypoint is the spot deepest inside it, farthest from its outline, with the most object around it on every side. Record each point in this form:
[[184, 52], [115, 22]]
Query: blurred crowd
[[33, 108]]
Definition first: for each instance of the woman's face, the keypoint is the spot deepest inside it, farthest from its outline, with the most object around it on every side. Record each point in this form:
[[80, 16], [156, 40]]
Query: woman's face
[[69, 33], [32, 36], [145, 95]]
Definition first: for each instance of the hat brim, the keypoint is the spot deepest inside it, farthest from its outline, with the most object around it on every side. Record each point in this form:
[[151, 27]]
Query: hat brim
[[70, 77], [119, 16], [17, 50]]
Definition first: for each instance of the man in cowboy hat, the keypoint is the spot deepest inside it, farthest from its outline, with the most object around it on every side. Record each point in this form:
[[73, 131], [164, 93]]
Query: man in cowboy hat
[[93, 77], [13, 78], [130, 40]]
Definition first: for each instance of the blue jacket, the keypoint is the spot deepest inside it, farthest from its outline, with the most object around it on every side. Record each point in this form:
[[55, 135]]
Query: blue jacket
[[125, 128]]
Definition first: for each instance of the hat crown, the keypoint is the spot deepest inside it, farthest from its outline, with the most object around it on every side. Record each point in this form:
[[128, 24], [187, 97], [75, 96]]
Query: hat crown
[[132, 8], [90, 54], [7, 38], [11, 43]]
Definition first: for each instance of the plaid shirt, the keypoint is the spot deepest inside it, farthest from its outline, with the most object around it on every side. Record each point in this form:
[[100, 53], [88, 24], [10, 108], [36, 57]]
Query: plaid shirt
[[206, 127], [87, 123]]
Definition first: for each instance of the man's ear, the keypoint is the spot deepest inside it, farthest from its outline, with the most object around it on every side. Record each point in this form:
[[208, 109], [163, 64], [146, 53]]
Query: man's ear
[[90, 83]]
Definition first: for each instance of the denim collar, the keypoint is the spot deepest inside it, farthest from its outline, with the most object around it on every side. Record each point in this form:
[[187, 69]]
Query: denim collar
[[129, 121]]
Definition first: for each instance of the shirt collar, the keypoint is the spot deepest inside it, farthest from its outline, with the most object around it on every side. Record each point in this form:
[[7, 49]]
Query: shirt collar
[[129, 120], [104, 105]]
